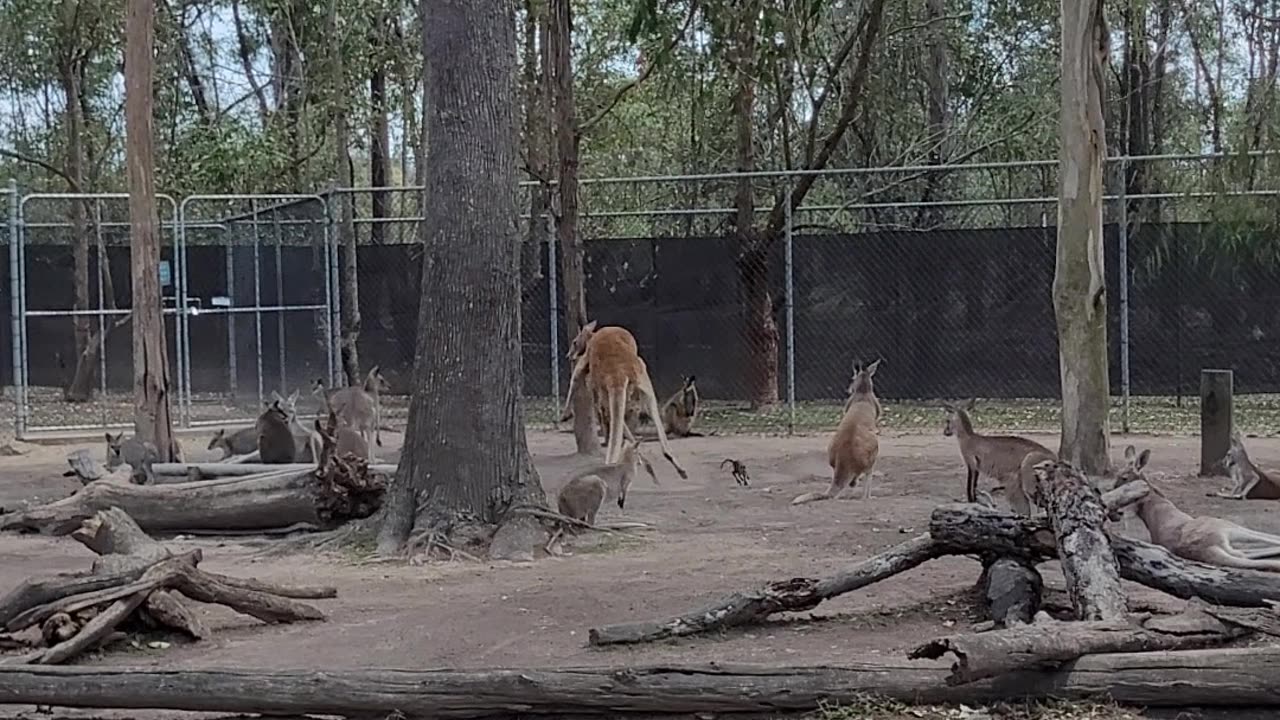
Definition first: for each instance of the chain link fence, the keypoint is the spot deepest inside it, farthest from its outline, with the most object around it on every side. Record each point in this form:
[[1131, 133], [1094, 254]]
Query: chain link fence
[[765, 287]]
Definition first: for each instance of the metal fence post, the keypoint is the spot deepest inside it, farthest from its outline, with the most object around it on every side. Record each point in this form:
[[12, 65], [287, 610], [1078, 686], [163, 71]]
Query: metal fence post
[[15, 312], [104, 263], [788, 273], [257, 295], [333, 286], [553, 305], [1124, 295]]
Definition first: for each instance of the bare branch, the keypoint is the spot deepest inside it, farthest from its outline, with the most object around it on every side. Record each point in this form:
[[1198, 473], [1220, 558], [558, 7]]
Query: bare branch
[[585, 127], [29, 160]]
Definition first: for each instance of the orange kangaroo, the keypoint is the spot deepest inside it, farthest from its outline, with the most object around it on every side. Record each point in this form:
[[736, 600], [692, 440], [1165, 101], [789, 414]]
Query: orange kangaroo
[[856, 445], [611, 359]]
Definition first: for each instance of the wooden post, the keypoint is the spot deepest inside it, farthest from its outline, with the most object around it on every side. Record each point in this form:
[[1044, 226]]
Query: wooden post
[[1216, 388]]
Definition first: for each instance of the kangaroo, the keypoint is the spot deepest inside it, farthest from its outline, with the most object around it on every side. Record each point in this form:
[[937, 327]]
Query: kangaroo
[[306, 445], [1008, 459], [345, 440], [1251, 483], [240, 442], [616, 370], [681, 409], [139, 455], [593, 483], [359, 407], [276, 443], [1203, 539], [855, 447]]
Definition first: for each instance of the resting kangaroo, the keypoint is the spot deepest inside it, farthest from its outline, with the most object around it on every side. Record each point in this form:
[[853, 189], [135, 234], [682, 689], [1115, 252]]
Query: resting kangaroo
[[1251, 483], [1204, 539], [276, 444], [616, 369], [855, 447], [240, 442], [681, 409], [345, 441], [139, 455], [582, 494], [1008, 459]]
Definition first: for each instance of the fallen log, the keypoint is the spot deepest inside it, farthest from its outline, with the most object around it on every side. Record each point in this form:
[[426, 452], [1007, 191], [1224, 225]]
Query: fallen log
[[252, 502], [1048, 644], [231, 469], [975, 530], [1078, 518], [1234, 677], [794, 595]]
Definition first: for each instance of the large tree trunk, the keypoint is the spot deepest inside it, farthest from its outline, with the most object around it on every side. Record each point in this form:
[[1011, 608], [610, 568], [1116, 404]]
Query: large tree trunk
[[1079, 284], [572, 273], [1236, 677], [151, 420], [379, 130], [346, 210], [935, 77], [468, 357]]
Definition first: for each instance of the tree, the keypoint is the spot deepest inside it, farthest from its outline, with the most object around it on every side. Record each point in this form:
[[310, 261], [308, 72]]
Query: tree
[[1079, 285], [151, 419], [465, 459]]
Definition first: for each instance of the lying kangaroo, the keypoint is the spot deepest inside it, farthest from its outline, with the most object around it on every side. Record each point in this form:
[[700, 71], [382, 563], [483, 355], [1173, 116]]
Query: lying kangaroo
[[616, 369], [583, 493], [1008, 459], [139, 455], [276, 443], [240, 442], [1204, 539], [1251, 483], [359, 407], [855, 447]]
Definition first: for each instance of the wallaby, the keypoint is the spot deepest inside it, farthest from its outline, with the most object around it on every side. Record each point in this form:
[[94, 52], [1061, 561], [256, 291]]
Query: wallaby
[[345, 440], [1008, 459], [1250, 482], [855, 447], [139, 455], [681, 409], [240, 442], [359, 407], [306, 444], [1203, 539], [617, 369], [276, 443], [582, 494]]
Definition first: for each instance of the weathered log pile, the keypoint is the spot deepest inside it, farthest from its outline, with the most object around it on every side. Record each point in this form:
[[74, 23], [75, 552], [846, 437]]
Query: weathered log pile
[[1227, 604], [247, 498], [135, 582]]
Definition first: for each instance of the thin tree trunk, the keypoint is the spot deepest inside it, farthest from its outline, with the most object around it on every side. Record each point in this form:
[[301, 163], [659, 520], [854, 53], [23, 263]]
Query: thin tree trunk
[[572, 253], [1079, 285], [379, 131], [346, 224], [150, 357], [935, 75], [80, 389], [465, 451], [537, 137], [246, 62]]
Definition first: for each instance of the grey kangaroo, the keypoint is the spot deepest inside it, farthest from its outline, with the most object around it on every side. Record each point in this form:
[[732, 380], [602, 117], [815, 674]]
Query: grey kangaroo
[[139, 455]]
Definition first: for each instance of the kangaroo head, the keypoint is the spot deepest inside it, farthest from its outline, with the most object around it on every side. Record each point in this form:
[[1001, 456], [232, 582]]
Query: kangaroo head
[[219, 439], [1134, 463], [374, 382], [579, 343], [861, 383], [275, 412], [958, 418], [114, 458], [690, 399]]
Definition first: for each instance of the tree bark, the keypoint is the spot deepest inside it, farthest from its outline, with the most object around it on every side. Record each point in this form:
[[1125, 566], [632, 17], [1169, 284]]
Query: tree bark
[[468, 362], [572, 273], [936, 101], [1236, 678], [1011, 590], [379, 130], [151, 420], [245, 503], [346, 211], [1079, 283]]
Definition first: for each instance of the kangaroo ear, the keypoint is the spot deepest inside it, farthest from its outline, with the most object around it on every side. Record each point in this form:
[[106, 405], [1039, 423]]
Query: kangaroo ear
[[591, 326], [1142, 459], [1130, 452], [110, 439], [871, 369]]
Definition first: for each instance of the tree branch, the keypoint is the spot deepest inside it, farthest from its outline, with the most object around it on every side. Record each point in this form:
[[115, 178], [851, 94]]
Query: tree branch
[[585, 127], [28, 160]]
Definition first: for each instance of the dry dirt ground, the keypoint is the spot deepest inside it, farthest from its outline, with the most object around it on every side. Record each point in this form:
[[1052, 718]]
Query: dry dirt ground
[[711, 537]]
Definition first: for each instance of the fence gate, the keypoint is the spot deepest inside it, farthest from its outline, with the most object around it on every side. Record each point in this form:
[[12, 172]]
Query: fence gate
[[260, 313]]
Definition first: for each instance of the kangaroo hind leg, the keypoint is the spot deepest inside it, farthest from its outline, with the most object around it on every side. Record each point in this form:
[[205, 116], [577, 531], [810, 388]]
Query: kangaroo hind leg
[[646, 388]]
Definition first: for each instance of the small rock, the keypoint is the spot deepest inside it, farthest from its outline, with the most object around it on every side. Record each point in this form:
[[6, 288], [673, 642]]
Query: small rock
[[16, 448]]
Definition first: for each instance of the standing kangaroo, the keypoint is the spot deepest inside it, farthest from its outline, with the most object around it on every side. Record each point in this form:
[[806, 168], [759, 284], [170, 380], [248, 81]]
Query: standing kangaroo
[[359, 407], [1203, 539], [681, 409], [616, 369], [139, 455], [1008, 459], [855, 447]]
